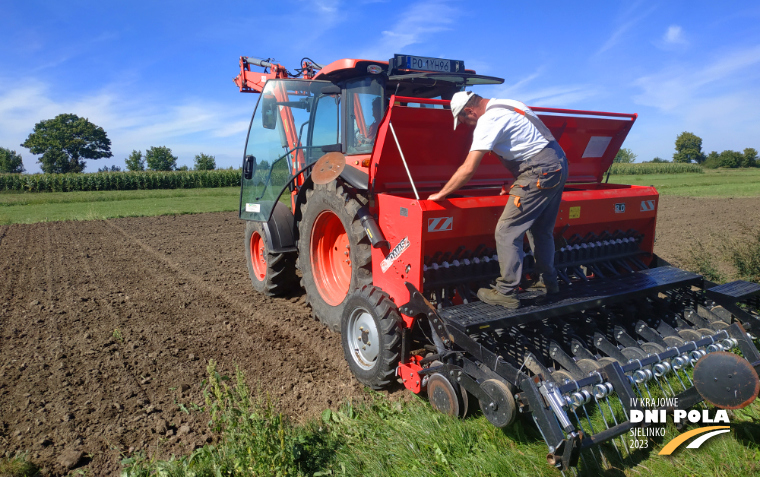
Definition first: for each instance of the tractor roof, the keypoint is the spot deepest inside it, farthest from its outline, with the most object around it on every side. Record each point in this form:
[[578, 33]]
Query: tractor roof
[[348, 68]]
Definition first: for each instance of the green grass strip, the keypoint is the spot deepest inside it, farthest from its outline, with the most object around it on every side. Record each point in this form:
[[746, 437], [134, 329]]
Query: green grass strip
[[49, 207], [712, 183]]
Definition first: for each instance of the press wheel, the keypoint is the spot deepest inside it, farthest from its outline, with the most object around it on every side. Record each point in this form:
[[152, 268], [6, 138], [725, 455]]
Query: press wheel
[[443, 397], [652, 348], [674, 341], [690, 335], [501, 412]]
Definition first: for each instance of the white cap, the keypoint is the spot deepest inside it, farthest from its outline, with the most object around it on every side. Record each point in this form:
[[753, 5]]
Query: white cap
[[457, 104]]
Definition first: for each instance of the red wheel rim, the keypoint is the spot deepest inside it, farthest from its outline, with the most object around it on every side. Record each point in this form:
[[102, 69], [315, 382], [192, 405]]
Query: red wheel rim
[[330, 258], [258, 256]]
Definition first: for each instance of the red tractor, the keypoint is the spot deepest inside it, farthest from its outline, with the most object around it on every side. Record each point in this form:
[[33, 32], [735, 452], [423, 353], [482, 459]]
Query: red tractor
[[358, 145]]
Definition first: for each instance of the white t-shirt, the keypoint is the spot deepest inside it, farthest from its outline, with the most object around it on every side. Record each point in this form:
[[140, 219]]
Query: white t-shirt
[[507, 133]]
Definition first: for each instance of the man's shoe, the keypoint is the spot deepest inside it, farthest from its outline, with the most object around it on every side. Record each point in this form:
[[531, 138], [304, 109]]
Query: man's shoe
[[546, 297], [540, 285], [492, 296]]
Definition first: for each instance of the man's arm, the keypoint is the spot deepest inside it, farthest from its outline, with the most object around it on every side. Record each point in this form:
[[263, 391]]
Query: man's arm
[[462, 176]]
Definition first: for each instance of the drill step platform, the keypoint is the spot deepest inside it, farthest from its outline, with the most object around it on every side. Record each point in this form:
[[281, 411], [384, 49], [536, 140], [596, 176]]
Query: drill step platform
[[477, 316], [732, 295], [735, 291]]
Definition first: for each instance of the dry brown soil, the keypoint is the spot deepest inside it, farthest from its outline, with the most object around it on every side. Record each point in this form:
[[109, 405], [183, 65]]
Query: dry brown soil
[[106, 326], [681, 221]]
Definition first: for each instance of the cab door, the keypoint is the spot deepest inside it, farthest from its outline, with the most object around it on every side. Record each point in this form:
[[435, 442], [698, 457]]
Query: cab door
[[284, 136]]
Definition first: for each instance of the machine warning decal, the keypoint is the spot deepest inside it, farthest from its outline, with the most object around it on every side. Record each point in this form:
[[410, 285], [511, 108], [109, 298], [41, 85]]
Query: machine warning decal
[[395, 253], [440, 224], [253, 208], [575, 213], [647, 205], [619, 208], [596, 146], [404, 212]]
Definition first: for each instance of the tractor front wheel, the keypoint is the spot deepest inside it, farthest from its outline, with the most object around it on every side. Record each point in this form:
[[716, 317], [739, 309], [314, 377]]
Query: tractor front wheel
[[272, 274], [371, 336]]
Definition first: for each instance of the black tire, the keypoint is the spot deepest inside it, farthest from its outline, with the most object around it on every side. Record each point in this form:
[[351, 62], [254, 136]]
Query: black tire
[[370, 319], [275, 277], [344, 204]]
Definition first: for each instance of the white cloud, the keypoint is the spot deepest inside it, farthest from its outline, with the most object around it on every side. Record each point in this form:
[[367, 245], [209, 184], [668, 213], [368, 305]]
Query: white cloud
[[674, 36], [132, 121], [528, 92], [327, 6], [717, 101], [634, 17], [413, 27], [320, 16], [683, 85]]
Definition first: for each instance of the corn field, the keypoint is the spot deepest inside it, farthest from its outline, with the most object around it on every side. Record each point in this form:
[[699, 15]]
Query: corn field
[[119, 181], [655, 168]]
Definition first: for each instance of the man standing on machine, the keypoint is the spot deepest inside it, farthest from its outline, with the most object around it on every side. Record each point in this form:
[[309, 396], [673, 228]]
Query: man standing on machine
[[529, 151]]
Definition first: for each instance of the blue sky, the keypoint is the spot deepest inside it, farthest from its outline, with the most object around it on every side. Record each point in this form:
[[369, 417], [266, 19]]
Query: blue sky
[[160, 73]]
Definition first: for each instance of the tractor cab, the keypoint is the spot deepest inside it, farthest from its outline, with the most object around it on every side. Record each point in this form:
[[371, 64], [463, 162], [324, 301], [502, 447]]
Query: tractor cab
[[338, 109]]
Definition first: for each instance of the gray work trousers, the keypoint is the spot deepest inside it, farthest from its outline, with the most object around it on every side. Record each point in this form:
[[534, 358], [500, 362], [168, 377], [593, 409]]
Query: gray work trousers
[[532, 208]]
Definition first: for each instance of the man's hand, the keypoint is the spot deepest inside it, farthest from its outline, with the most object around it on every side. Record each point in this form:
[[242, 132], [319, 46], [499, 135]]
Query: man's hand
[[437, 196]]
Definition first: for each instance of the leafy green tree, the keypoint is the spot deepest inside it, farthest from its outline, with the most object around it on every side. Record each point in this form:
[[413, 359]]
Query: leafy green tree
[[160, 159], [112, 169], [730, 159], [712, 161], [204, 162], [10, 162], [135, 161], [689, 148], [625, 156], [65, 141], [182, 168], [749, 158], [659, 160]]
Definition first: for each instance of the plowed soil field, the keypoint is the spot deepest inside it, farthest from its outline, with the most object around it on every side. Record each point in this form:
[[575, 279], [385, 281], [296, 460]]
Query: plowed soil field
[[107, 326]]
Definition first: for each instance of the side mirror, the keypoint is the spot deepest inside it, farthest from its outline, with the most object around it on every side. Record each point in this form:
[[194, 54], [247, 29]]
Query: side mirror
[[268, 112], [249, 167]]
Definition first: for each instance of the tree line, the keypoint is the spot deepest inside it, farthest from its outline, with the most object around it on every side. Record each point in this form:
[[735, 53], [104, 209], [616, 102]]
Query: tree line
[[67, 140], [689, 151]]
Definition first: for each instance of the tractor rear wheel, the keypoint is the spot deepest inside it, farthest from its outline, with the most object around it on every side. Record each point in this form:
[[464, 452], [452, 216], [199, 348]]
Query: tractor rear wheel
[[371, 336], [334, 252], [271, 273]]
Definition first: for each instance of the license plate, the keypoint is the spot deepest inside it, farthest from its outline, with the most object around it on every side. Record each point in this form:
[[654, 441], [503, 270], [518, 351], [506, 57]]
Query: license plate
[[421, 63]]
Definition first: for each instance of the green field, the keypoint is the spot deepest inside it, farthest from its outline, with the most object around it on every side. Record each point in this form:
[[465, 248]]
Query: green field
[[27, 208], [711, 183], [31, 207]]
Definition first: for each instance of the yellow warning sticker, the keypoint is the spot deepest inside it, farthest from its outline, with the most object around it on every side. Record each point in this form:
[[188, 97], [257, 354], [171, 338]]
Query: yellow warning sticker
[[575, 212]]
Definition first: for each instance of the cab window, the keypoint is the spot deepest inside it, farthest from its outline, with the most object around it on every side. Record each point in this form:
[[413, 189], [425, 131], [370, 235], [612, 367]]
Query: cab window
[[326, 128], [365, 108]]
